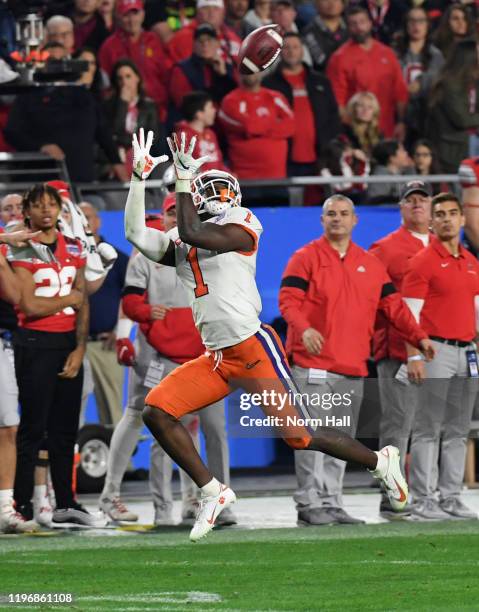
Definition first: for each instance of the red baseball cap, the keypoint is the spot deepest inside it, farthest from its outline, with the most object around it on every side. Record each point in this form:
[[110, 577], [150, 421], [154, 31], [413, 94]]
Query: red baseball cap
[[62, 187], [154, 221], [124, 6], [169, 202]]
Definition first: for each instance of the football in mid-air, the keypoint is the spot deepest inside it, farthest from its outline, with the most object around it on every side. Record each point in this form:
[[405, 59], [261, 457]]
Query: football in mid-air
[[260, 49]]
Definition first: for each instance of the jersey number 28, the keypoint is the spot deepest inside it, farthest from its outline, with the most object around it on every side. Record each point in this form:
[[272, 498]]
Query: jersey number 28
[[51, 283]]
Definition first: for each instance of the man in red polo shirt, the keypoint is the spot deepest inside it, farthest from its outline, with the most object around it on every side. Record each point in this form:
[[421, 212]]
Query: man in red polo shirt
[[364, 64], [441, 288], [399, 398], [143, 48], [330, 295]]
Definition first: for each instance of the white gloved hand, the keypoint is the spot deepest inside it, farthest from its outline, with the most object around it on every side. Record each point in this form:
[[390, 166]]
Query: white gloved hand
[[108, 255], [186, 165], [143, 162]]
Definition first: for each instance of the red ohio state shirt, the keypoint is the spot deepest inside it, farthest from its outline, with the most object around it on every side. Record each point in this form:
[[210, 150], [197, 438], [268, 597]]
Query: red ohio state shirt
[[394, 250], [448, 286], [206, 144], [53, 280], [257, 127], [340, 299]]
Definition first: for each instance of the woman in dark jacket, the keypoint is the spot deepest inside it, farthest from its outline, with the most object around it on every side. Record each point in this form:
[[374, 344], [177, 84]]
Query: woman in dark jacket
[[128, 109], [454, 106]]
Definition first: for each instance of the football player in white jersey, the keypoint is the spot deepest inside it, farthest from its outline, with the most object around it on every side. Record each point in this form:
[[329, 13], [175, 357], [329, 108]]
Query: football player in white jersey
[[214, 249]]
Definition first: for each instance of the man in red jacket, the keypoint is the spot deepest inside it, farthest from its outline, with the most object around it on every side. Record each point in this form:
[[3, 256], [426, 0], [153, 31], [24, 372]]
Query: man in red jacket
[[143, 48], [399, 399], [180, 46], [330, 295], [364, 64], [257, 123], [199, 112]]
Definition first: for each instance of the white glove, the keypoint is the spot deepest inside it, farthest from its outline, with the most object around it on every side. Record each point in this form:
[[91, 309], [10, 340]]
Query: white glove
[[108, 255], [186, 165], [143, 162]]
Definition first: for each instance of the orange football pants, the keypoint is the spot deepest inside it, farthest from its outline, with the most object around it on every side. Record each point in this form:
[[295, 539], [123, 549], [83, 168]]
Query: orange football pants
[[257, 364]]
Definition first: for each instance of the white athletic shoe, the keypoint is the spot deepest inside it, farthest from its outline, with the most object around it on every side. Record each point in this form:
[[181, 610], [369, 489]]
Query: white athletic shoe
[[394, 482], [12, 521], [116, 510], [43, 512], [210, 508]]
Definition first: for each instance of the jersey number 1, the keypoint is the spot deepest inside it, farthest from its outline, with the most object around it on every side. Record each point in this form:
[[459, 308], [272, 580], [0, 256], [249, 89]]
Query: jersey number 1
[[200, 288]]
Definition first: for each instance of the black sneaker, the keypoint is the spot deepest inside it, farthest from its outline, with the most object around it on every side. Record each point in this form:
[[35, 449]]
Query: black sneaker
[[26, 510], [78, 515]]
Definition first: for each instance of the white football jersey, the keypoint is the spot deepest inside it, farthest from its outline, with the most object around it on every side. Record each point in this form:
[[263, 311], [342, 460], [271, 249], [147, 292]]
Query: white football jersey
[[221, 286]]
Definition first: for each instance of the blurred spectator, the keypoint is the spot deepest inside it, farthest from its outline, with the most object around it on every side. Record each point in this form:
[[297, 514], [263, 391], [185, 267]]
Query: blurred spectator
[[101, 346], [11, 209], [456, 24], [107, 11], [391, 159], [129, 109], [235, 17], [362, 127], [91, 78], [341, 159], [425, 162], [180, 47], [205, 70], [399, 401], [387, 17], [167, 17], [314, 105], [59, 29], [55, 50], [259, 15], [257, 123], [420, 61], [199, 114], [144, 48], [283, 12], [364, 64], [453, 106], [10, 520], [326, 32], [469, 176], [65, 123], [88, 25]]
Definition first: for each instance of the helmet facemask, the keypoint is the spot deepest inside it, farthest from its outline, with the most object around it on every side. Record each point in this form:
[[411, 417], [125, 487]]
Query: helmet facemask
[[215, 191]]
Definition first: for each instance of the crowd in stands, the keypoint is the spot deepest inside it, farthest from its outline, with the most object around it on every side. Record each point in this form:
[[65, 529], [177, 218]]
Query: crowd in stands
[[381, 87]]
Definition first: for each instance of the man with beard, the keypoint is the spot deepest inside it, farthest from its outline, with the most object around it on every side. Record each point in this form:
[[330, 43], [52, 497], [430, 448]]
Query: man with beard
[[364, 64]]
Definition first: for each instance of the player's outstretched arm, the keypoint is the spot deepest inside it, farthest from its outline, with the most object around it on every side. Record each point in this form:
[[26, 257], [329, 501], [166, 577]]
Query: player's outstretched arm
[[220, 238], [153, 243]]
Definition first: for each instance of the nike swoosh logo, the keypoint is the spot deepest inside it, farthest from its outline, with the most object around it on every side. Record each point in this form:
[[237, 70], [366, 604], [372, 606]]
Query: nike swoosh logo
[[251, 365], [221, 501], [403, 495]]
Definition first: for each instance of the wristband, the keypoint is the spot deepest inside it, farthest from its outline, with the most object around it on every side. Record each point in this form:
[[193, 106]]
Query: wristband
[[182, 186], [137, 176], [415, 358], [123, 328]]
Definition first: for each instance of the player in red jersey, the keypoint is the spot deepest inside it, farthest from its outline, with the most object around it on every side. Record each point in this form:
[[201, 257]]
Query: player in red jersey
[[49, 349]]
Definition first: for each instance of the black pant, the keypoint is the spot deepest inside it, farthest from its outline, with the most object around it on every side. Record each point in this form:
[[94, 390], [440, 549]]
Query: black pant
[[50, 408]]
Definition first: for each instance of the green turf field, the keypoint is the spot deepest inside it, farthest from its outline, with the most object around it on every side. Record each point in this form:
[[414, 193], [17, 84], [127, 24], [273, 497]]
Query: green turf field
[[399, 566]]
